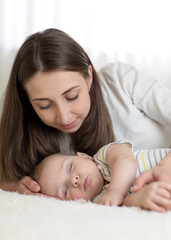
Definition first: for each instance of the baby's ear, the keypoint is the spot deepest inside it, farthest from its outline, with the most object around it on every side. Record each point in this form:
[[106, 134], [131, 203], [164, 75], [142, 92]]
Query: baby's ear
[[84, 155]]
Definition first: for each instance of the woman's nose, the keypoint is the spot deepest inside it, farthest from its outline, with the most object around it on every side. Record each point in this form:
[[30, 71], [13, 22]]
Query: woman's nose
[[62, 115], [75, 181]]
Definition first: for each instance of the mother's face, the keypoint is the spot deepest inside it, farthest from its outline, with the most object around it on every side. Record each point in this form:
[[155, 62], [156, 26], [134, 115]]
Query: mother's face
[[60, 98]]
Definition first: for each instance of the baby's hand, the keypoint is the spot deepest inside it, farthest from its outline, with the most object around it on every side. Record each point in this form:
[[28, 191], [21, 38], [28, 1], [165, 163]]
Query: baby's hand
[[111, 198], [155, 196]]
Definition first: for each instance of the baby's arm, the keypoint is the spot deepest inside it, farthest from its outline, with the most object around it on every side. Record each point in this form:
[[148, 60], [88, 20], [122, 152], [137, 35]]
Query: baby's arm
[[123, 171], [154, 196]]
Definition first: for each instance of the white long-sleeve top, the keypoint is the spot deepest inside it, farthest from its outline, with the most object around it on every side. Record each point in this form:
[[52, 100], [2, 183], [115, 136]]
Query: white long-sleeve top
[[139, 106]]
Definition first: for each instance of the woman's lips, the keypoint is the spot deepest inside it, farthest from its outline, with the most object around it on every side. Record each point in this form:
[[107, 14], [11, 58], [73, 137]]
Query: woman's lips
[[68, 126]]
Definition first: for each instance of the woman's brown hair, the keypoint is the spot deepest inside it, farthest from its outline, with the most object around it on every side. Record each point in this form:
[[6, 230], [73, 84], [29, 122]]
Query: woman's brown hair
[[24, 139]]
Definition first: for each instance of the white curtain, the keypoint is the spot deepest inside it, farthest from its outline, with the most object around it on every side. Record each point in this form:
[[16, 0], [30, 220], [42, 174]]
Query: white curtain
[[137, 32]]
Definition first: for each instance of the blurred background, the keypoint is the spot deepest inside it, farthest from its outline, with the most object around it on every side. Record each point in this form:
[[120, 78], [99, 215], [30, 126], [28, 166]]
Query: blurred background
[[137, 32]]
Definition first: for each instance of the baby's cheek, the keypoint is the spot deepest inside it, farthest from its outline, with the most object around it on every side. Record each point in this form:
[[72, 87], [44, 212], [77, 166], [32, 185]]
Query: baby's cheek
[[77, 195]]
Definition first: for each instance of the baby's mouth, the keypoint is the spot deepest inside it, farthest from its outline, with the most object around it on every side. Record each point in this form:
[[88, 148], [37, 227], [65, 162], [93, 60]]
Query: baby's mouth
[[85, 183]]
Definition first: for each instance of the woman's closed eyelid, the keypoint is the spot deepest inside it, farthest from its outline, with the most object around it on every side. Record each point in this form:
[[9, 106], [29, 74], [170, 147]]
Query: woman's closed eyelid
[[45, 107], [73, 94], [67, 98], [72, 98]]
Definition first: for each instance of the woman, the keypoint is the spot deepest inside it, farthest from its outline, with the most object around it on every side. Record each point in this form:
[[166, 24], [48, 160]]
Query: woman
[[54, 103]]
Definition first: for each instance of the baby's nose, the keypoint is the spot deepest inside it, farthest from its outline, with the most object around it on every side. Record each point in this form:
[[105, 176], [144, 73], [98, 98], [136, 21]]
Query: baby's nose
[[75, 181]]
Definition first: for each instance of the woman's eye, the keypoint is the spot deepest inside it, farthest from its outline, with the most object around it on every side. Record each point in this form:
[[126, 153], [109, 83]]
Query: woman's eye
[[73, 98], [45, 107]]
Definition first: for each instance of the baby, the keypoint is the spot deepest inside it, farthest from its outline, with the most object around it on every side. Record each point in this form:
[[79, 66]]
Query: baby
[[105, 178]]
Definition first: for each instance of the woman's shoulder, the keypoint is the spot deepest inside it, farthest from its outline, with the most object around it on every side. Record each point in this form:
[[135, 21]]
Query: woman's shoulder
[[115, 67], [116, 73]]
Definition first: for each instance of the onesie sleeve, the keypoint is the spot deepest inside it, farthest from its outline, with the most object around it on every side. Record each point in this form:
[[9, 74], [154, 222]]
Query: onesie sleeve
[[145, 92], [100, 159]]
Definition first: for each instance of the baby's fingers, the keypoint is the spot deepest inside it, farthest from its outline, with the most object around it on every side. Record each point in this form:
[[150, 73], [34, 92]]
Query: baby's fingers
[[161, 204], [166, 187], [157, 208], [163, 193]]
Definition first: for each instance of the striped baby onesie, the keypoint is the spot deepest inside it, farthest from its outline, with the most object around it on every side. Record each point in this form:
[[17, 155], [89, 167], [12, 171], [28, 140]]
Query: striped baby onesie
[[147, 159]]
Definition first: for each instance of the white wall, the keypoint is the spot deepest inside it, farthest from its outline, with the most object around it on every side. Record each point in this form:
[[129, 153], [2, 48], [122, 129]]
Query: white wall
[[136, 32]]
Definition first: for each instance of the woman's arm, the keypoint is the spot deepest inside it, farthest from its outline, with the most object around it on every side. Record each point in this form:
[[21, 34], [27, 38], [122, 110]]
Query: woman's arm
[[162, 172], [24, 186], [155, 196], [141, 90], [123, 170]]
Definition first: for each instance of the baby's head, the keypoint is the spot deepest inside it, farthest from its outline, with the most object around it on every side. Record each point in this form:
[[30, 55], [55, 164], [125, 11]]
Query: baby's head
[[69, 177]]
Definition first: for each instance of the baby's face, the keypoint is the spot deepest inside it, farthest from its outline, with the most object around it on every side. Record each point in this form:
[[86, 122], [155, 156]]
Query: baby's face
[[70, 177]]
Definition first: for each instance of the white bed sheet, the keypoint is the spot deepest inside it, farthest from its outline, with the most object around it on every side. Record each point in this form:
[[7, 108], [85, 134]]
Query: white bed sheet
[[33, 218]]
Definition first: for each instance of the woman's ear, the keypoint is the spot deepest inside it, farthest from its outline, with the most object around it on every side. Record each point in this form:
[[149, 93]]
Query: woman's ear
[[84, 155], [90, 77]]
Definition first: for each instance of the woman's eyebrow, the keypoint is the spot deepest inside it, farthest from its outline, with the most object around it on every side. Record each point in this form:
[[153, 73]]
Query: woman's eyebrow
[[40, 99], [70, 89], [45, 99]]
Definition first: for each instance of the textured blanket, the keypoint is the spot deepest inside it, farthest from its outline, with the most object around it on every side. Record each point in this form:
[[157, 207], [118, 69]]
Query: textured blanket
[[36, 218]]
